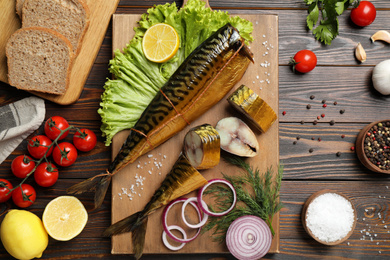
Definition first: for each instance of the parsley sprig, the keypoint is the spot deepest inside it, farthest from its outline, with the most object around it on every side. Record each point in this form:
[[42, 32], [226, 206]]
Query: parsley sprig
[[257, 194], [328, 27]]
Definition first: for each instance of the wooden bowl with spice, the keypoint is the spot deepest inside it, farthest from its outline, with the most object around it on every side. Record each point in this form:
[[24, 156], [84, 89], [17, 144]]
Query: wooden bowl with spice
[[329, 217], [373, 146]]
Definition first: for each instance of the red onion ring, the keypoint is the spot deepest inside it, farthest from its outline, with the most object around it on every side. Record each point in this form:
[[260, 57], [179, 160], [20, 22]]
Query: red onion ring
[[202, 203], [203, 220], [165, 225], [248, 238], [165, 240]]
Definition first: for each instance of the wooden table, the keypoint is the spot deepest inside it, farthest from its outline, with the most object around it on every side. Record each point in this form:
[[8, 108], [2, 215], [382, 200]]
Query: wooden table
[[338, 77]]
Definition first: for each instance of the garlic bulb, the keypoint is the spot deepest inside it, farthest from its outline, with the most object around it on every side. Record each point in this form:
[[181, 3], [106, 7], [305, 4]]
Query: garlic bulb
[[381, 77]]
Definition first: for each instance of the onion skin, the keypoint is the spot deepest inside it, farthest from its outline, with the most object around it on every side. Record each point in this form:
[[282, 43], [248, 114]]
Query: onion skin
[[381, 77], [248, 238]]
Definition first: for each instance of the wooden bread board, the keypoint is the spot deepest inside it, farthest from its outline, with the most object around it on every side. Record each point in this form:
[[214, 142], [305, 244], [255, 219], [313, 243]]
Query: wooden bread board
[[100, 16], [256, 77]]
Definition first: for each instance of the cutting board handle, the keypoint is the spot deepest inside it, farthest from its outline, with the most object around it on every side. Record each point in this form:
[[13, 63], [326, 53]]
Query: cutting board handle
[[207, 2]]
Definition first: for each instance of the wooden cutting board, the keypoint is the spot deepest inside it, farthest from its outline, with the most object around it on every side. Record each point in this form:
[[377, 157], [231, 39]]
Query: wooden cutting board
[[149, 170], [100, 15]]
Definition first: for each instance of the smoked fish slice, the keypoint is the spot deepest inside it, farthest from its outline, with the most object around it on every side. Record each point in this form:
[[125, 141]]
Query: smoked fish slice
[[182, 179], [202, 80]]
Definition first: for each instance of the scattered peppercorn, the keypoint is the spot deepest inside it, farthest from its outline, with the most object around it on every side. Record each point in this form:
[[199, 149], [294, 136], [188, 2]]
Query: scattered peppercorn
[[342, 136], [298, 137], [315, 122], [322, 115], [352, 148], [342, 111], [284, 112], [295, 142], [318, 117], [302, 122], [311, 150], [319, 139], [312, 97], [308, 106], [312, 138], [338, 154], [324, 105], [323, 101], [331, 122], [335, 103]]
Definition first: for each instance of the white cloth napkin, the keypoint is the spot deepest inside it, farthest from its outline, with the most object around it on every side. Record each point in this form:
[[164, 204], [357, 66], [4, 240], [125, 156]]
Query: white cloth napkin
[[17, 121]]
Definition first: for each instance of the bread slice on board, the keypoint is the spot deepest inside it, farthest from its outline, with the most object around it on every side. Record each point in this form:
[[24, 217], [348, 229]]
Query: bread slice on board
[[19, 6], [39, 59], [68, 17]]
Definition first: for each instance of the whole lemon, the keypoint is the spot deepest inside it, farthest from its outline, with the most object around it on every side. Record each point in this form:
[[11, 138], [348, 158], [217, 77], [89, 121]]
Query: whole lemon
[[23, 234]]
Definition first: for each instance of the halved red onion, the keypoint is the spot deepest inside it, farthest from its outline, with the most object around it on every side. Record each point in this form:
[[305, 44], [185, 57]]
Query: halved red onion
[[202, 204], [248, 238], [165, 240], [165, 225], [203, 220]]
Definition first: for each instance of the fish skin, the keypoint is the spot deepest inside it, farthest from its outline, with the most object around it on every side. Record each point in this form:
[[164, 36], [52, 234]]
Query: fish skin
[[202, 80], [182, 179]]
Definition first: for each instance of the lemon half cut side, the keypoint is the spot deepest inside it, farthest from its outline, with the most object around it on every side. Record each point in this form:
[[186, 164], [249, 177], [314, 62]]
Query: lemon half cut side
[[64, 218], [160, 43]]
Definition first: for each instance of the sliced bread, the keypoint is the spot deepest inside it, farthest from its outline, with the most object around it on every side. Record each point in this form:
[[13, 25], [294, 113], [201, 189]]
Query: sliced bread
[[39, 59], [68, 17], [19, 6]]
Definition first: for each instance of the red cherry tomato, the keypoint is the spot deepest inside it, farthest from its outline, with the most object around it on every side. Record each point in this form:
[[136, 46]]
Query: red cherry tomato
[[4, 196], [22, 165], [65, 154], [364, 14], [84, 141], [304, 61], [46, 174], [38, 145], [54, 125], [24, 200]]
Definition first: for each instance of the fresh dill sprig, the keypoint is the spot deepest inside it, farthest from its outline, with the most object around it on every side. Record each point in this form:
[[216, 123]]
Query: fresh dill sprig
[[257, 194]]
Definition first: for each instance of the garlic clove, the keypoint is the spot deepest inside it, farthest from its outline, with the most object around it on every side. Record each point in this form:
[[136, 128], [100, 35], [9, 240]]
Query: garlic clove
[[381, 35], [360, 53]]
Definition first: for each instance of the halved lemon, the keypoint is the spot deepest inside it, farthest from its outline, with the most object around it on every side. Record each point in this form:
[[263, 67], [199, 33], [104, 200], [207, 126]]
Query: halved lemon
[[160, 43], [64, 218]]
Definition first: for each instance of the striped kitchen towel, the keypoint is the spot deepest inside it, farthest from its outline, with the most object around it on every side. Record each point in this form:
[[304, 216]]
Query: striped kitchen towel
[[17, 121]]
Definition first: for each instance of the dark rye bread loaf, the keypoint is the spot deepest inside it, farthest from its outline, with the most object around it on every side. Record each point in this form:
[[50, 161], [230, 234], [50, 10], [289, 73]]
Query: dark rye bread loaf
[[39, 59], [68, 17]]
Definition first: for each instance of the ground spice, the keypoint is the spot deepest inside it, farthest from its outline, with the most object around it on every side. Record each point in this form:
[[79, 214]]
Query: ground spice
[[330, 217]]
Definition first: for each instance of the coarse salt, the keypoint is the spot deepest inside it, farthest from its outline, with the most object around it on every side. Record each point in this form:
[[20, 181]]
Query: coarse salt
[[330, 217]]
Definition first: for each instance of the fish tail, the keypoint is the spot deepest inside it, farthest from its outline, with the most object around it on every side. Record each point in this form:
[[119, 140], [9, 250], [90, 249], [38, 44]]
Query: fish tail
[[136, 224], [247, 53], [97, 184]]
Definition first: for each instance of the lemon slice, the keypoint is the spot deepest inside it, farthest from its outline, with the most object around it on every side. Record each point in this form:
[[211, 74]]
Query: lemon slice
[[64, 218], [160, 43]]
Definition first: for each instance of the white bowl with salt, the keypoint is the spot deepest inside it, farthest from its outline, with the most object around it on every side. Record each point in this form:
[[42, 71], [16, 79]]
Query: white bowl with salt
[[329, 217]]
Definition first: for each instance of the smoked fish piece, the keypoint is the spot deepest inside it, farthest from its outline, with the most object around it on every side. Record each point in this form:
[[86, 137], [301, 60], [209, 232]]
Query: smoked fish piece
[[202, 147], [182, 179], [202, 80]]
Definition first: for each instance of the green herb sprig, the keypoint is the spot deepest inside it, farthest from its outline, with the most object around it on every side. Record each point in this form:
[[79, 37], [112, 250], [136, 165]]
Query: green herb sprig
[[257, 194], [328, 28]]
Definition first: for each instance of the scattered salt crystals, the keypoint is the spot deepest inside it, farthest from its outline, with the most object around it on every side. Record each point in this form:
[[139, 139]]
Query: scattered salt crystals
[[348, 243], [330, 217], [263, 35], [257, 77], [257, 22], [150, 155]]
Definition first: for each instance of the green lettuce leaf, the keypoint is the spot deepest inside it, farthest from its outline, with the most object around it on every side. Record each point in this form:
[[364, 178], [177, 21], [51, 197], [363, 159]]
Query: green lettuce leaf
[[137, 79]]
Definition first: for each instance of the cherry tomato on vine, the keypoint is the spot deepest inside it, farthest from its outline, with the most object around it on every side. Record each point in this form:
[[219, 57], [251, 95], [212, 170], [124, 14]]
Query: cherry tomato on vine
[[4, 196], [364, 14], [304, 61], [84, 141], [38, 145], [25, 199], [65, 154], [54, 125], [22, 165], [46, 174]]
